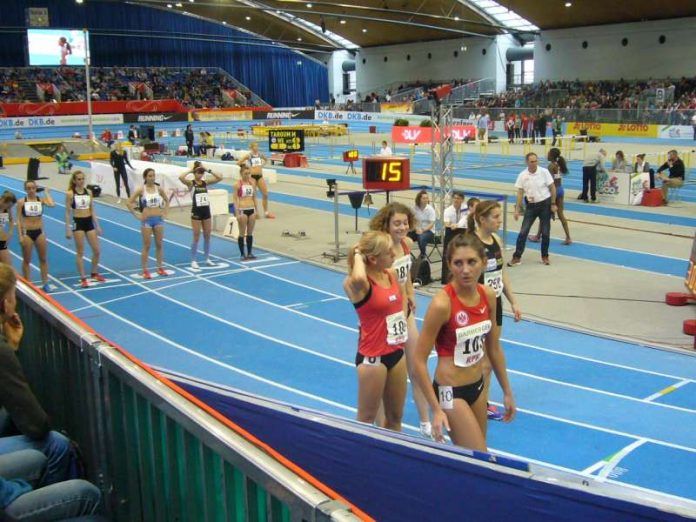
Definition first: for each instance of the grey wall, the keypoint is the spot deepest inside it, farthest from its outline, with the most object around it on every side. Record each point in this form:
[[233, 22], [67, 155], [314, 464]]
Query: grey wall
[[606, 58], [443, 65]]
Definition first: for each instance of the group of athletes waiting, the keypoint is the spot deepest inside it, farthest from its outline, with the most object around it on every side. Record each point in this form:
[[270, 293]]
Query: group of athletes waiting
[[463, 322], [148, 203]]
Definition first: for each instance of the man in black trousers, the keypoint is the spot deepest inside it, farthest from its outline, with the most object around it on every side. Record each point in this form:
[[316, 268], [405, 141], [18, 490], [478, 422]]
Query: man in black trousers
[[590, 167]]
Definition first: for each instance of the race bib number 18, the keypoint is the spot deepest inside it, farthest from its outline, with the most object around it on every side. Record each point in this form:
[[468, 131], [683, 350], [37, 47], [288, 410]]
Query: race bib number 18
[[397, 331]]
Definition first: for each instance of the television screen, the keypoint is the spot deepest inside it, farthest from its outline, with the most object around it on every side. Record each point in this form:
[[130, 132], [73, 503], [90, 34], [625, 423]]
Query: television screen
[[56, 47]]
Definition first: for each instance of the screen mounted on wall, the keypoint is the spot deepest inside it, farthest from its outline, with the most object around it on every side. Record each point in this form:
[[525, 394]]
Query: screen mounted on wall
[[56, 46]]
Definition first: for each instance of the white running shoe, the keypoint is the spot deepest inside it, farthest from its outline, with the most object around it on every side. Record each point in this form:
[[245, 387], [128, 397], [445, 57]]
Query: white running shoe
[[426, 430], [118, 201], [194, 266], [210, 263]]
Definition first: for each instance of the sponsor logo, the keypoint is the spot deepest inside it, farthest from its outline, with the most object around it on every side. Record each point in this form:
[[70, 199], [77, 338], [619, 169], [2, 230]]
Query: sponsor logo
[[462, 318], [410, 135], [282, 115], [633, 127], [460, 134], [153, 117]]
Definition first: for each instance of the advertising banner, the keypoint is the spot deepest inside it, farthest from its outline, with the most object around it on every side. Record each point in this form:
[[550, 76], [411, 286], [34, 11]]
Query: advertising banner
[[221, 115], [626, 130], [414, 134], [157, 117], [676, 132], [613, 187], [60, 121], [284, 115], [400, 108], [98, 107], [291, 140], [377, 117]]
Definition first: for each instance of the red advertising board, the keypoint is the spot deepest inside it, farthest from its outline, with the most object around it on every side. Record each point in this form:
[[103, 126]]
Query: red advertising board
[[98, 107], [425, 134]]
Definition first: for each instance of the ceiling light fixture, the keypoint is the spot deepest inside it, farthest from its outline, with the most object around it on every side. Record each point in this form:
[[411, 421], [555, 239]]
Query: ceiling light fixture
[[343, 22], [456, 18], [170, 6], [79, 1], [299, 39], [364, 30], [309, 6], [178, 4], [224, 23], [568, 4], [248, 18]]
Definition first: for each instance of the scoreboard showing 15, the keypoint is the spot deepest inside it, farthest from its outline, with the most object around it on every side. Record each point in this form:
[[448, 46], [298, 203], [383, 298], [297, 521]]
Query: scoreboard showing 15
[[386, 173]]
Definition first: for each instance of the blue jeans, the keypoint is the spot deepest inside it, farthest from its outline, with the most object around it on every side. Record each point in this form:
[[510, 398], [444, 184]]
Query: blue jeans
[[55, 446], [24, 464], [541, 210], [71, 498], [423, 239]]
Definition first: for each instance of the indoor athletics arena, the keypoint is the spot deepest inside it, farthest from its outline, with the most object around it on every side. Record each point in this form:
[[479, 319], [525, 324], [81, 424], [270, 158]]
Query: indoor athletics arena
[[261, 249]]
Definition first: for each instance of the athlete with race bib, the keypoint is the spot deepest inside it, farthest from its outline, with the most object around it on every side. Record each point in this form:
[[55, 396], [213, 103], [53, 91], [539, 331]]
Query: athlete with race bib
[[83, 226], [461, 323], [485, 221], [256, 161], [373, 288], [397, 219], [200, 209], [152, 205], [30, 211], [244, 196]]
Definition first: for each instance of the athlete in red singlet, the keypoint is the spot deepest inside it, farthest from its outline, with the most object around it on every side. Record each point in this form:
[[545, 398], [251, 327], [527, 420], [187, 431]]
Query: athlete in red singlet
[[461, 322], [374, 290], [397, 219]]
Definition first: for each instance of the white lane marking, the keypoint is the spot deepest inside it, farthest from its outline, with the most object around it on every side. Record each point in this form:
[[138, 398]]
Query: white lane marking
[[601, 392], [668, 389], [611, 464]]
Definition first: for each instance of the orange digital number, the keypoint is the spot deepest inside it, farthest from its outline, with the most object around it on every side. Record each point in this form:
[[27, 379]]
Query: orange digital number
[[391, 171]]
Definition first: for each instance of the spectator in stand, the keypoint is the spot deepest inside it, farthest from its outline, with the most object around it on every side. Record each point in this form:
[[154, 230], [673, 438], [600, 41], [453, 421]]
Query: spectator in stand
[[676, 174], [30, 426], [425, 221], [22, 501], [590, 167]]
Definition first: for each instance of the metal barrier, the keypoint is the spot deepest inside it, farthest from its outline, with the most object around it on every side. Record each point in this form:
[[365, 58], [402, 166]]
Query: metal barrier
[[156, 452]]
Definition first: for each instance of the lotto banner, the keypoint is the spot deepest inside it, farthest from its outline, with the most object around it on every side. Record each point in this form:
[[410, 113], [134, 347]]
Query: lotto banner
[[399, 108], [412, 134], [626, 130]]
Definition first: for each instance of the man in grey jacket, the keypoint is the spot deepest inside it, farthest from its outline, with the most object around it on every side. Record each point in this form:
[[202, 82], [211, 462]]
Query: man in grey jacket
[[590, 167]]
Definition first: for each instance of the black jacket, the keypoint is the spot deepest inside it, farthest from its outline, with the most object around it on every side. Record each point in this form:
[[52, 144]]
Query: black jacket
[[17, 398]]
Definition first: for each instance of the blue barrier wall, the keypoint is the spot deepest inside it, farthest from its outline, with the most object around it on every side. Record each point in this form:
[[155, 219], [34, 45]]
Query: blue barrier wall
[[129, 35], [402, 482]]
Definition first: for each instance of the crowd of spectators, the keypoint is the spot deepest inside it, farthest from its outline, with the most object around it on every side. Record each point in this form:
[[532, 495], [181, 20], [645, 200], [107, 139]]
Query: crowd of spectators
[[195, 88], [620, 94]]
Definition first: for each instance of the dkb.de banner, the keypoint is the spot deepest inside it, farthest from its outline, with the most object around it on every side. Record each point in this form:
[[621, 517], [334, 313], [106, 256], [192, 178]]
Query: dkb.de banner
[[414, 134]]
